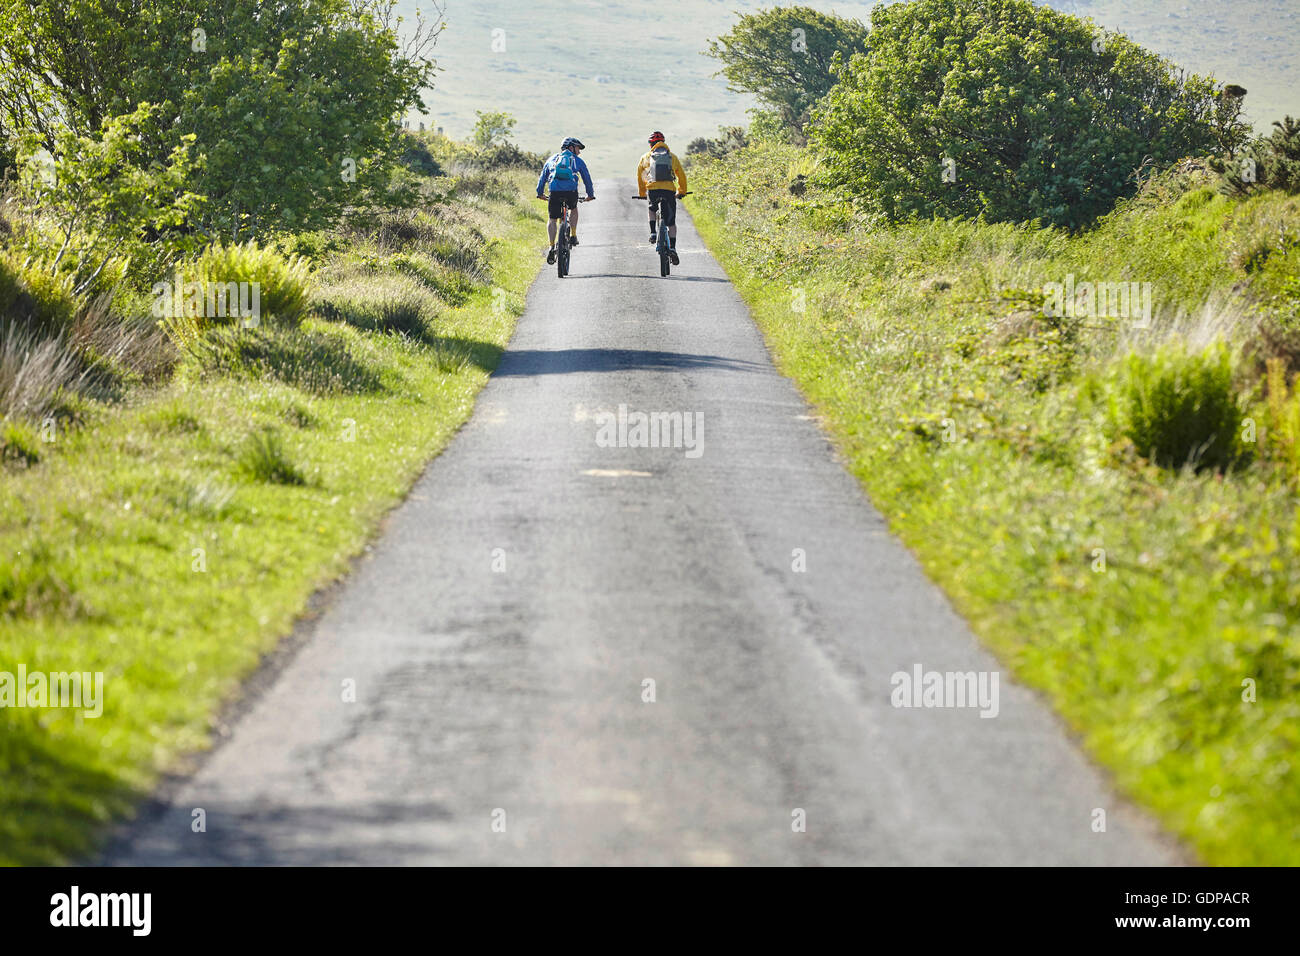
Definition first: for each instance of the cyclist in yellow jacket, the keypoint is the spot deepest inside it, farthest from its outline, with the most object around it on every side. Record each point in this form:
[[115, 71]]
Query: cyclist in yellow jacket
[[661, 175]]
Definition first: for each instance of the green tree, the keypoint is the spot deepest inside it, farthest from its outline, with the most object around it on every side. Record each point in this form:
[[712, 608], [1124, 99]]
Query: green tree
[[784, 55], [8, 154], [1267, 162], [292, 104], [492, 128], [1008, 110], [99, 202]]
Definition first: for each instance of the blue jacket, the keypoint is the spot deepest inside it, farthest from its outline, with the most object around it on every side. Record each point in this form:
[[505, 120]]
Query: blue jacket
[[549, 168]]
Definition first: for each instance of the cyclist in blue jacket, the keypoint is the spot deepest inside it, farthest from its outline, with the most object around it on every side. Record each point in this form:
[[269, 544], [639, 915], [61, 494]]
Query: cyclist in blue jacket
[[561, 173]]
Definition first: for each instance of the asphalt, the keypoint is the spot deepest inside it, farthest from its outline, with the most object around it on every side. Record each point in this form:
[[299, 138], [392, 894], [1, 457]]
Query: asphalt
[[500, 633]]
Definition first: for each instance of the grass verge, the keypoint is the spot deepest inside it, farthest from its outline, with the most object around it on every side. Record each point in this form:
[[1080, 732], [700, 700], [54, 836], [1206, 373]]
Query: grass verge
[[1158, 609], [171, 541]]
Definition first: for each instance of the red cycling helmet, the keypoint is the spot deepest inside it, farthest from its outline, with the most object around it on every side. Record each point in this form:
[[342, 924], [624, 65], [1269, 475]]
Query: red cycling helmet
[[656, 137]]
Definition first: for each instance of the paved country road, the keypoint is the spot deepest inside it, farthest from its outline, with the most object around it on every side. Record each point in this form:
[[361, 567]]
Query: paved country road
[[500, 632]]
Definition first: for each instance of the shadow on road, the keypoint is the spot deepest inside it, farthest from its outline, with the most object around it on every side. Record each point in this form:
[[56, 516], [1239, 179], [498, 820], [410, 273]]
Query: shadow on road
[[256, 834], [553, 361], [671, 278]]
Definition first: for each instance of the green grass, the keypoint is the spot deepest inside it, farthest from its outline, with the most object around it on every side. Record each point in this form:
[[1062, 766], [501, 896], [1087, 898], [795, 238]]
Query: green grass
[[1137, 598], [263, 458], [172, 540]]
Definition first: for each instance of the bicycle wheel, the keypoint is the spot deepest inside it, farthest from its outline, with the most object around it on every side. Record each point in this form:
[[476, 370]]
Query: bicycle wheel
[[665, 265], [562, 250]]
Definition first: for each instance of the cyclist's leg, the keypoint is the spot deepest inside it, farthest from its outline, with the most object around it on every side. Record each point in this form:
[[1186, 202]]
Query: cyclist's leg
[[653, 207], [556, 212], [573, 216], [670, 215]]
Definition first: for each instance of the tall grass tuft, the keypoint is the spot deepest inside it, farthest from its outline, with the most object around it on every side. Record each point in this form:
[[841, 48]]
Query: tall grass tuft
[[264, 458], [1180, 409], [34, 371], [120, 348], [1282, 428], [306, 358], [283, 282], [380, 303]]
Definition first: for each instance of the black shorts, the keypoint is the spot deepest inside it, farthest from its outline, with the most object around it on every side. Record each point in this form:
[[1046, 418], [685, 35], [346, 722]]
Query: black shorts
[[666, 200], [560, 200]]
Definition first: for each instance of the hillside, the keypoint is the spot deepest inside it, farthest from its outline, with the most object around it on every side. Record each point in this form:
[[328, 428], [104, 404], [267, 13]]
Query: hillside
[[607, 72]]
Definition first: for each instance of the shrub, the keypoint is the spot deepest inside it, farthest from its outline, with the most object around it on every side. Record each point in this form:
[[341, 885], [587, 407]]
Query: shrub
[[456, 245], [1037, 123], [454, 157], [283, 282], [483, 182], [1268, 226], [264, 458], [416, 156], [504, 156], [36, 298], [730, 139], [316, 247], [1269, 162], [10, 285], [51, 301], [1179, 407]]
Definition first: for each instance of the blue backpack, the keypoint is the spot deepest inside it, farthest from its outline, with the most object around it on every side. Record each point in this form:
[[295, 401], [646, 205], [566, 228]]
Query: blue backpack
[[564, 176]]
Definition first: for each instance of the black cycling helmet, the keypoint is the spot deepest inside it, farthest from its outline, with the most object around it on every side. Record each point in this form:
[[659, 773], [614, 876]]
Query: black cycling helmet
[[572, 141], [656, 137]]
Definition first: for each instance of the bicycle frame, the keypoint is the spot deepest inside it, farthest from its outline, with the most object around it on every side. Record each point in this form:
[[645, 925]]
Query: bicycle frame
[[562, 247], [662, 245]]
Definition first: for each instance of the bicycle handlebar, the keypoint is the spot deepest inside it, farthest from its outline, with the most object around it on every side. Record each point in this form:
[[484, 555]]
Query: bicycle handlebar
[[688, 192]]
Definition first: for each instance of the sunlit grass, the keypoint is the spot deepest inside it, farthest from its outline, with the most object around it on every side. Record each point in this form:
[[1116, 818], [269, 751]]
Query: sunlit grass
[[171, 542], [1158, 609]]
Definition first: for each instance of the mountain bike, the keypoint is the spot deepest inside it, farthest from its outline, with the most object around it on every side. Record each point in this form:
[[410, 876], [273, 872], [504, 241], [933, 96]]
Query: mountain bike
[[562, 246], [662, 246]]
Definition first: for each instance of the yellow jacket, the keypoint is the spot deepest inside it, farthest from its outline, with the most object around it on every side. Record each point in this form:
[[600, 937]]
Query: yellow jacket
[[643, 173]]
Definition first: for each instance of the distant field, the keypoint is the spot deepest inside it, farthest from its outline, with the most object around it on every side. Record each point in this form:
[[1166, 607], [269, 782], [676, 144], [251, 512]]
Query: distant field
[[612, 71], [1255, 43], [609, 72]]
